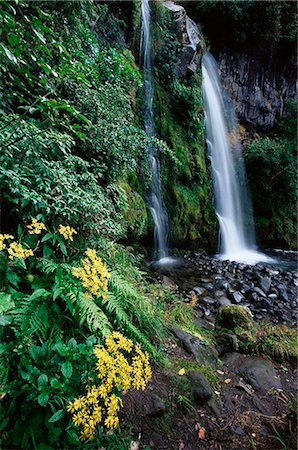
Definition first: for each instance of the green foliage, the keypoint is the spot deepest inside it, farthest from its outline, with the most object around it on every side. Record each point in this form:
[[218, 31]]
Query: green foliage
[[272, 173], [49, 327]]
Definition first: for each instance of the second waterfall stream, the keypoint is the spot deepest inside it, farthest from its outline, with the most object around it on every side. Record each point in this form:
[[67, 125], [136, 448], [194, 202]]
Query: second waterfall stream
[[155, 200], [232, 201]]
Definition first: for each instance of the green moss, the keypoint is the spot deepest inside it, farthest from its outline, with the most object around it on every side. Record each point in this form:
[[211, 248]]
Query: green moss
[[187, 183], [234, 318], [191, 365]]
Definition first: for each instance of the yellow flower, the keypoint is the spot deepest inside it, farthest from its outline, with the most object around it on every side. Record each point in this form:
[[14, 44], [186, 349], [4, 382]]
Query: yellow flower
[[16, 250], [66, 232], [36, 227], [121, 364], [181, 372], [94, 274], [4, 237]]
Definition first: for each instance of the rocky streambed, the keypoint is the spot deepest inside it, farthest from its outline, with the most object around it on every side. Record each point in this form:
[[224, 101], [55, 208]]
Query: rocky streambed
[[222, 384], [269, 291]]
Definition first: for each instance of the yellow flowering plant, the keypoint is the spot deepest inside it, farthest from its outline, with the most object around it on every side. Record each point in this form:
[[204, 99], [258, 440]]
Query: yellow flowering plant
[[121, 365], [93, 274]]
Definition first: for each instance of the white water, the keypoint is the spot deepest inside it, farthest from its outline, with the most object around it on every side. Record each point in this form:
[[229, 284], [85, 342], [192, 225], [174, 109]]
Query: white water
[[155, 200], [232, 201]]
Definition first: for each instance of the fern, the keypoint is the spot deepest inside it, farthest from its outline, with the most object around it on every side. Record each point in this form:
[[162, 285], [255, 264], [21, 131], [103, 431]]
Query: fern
[[48, 266], [135, 303], [113, 306], [31, 316], [84, 308]]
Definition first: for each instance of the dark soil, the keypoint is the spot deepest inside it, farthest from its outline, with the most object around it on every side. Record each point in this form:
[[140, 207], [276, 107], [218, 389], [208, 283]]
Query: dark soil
[[237, 417]]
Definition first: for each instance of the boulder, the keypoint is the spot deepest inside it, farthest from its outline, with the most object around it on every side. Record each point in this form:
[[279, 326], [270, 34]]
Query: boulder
[[257, 371], [203, 353], [223, 301], [235, 318], [200, 387], [237, 297]]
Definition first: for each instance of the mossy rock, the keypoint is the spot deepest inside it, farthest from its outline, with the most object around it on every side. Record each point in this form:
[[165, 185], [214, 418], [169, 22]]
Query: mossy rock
[[134, 211], [236, 319]]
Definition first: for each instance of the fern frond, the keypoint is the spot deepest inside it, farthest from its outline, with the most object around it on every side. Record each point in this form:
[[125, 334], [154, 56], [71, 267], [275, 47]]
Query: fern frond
[[113, 306], [48, 266], [135, 303], [84, 309], [32, 316], [93, 315]]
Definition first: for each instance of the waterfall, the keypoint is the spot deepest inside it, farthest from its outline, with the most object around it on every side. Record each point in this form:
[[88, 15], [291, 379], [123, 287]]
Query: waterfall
[[232, 200], [155, 200]]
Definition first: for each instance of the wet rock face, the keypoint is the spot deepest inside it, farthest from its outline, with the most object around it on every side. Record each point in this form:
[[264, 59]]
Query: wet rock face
[[258, 90], [190, 37]]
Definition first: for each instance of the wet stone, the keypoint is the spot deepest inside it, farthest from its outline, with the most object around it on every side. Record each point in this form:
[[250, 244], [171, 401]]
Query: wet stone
[[237, 297], [259, 292], [265, 284]]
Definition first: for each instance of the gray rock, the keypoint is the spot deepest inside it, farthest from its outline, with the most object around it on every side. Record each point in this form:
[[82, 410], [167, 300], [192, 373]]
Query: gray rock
[[237, 297], [204, 354], [223, 301], [265, 284], [218, 294], [200, 387], [258, 372], [259, 292], [155, 406], [208, 286], [166, 281], [272, 296], [208, 300], [221, 284], [200, 291], [282, 292]]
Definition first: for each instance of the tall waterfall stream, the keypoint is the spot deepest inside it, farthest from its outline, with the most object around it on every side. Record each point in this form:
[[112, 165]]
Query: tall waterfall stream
[[155, 200], [232, 201]]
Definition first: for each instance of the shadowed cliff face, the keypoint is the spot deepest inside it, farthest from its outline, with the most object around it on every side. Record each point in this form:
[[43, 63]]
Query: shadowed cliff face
[[260, 91]]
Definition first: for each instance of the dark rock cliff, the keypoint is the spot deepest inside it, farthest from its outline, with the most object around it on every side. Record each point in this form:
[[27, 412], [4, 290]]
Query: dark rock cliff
[[260, 91]]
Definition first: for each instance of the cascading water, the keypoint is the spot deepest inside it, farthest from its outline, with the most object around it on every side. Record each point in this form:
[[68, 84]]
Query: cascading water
[[155, 200], [232, 204]]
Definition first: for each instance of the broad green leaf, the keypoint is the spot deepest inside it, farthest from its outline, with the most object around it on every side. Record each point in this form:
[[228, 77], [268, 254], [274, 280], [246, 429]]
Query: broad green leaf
[[63, 248], [12, 277], [55, 383], [5, 320], [61, 348], [57, 416], [39, 35], [72, 437], [72, 343], [39, 293], [5, 302], [43, 399], [47, 237], [3, 423], [42, 379], [67, 369]]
